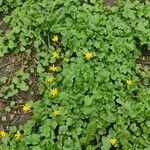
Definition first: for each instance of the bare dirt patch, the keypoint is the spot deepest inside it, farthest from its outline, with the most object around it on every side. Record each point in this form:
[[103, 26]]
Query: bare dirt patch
[[3, 25], [110, 2], [11, 108]]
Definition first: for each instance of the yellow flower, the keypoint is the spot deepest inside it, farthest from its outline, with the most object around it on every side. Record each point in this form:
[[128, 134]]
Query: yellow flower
[[113, 141], [17, 135], [54, 91], [26, 107], [53, 68], [50, 79], [55, 38], [2, 133], [56, 113], [88, 55], [129, 82], [55, 55]]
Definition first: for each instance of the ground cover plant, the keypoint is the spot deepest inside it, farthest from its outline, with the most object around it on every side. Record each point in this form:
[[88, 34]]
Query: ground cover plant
[[76, 63]]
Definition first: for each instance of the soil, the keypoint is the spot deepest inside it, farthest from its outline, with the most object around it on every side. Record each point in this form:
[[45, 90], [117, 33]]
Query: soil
[[13, 115], [110, 2], [3, 25]]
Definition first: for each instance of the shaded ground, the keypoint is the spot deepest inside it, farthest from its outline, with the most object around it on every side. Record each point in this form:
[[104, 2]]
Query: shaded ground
[[111, 2], [3, 26], [145, 55], [10, 109]]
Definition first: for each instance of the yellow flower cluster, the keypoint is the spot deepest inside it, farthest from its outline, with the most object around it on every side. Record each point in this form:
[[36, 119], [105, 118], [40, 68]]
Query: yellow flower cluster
[[113, 141], [17, 135], [129, 82], [88, 55], [56, 55], [26, 107], [50, 79], [56, 113], [2, 133], [54, 91], [53, 68], [55, 38]]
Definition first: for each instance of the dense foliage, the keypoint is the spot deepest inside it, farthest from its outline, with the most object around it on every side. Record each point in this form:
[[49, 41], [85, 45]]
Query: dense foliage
[[88, 101]]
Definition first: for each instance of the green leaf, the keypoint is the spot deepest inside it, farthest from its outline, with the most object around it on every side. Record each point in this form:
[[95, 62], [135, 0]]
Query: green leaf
[[11, 93], [16, 29], [88, 100], [53, 124], [15, 80], [3, 80], [25, 76], [63, 111], [5, 147], [37, 148], [63, 129], [40, 69], [37, 43], [89, 132], [147, 148], [105, 143], [11, 44], [1, 1], [90, 147], [42, 88], [32, 139], [23, 86], [22, 146], [28, 127], [7, 109], [20, 72]]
